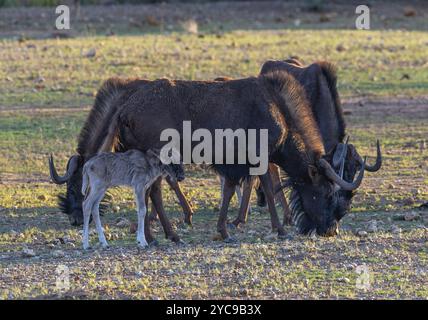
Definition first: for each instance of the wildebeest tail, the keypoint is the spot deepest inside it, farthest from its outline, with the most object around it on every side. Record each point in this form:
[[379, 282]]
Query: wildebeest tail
[[296, 110], [111, 138], [97, 124]]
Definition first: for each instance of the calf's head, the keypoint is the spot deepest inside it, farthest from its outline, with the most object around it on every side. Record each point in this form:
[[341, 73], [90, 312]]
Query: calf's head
[[173, 170]]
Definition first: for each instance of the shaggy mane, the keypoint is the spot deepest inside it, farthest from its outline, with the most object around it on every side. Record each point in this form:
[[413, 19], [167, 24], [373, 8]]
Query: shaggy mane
[[296, 110]]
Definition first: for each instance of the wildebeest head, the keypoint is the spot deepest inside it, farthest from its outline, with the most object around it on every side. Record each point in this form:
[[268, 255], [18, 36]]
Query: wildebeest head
[[322, 197], [71, 202], [174, 170], [316, 201]]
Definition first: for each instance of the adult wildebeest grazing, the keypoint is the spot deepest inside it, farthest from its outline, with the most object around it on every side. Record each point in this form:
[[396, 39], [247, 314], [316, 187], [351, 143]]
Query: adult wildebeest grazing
[[280, 106], [319, 83], [274, 101], [130, 168]]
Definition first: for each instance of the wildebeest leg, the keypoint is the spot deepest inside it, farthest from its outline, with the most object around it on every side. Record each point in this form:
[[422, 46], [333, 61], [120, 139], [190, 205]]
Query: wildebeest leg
[[239, 191], [261, 199], [147, 232], [245, 202], [228, 191], [240, 201], [96, 216], [156, 197], [140, 195], [185, 205], [238, 194], [276, 181], [153, 216], [266, 182]]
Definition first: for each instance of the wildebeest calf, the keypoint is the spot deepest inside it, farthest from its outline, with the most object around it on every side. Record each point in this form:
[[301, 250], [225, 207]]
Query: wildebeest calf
[[131, 168]]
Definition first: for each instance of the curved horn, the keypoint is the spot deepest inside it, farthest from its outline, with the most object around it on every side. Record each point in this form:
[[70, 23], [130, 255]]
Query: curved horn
[[342, 165], [378, 163], [349, 186], [71, 167]]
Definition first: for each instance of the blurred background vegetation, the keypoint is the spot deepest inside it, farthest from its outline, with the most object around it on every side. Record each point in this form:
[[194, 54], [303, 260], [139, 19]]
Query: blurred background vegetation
[[47, 3]]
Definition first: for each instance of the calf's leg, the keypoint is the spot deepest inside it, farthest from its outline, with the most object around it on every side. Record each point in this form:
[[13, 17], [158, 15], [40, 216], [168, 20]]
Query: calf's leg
[[147, 231], [140, 195], [96, 216], [87, 208]]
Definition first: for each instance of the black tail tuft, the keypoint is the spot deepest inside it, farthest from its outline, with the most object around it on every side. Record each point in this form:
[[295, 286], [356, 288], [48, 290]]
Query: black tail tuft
[[105, 107]]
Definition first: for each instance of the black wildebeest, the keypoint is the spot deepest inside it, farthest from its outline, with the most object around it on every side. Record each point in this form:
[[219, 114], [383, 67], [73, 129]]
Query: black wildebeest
[[273, 101], [319, 81]]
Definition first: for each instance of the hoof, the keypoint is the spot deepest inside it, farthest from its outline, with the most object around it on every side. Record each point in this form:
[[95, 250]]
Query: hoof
[[180, 243], [143, 245], [186, 226], [153, 243], [230, 239], [285, 237], [103, 244], [231, 226], [188, 222], [174, 238]]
